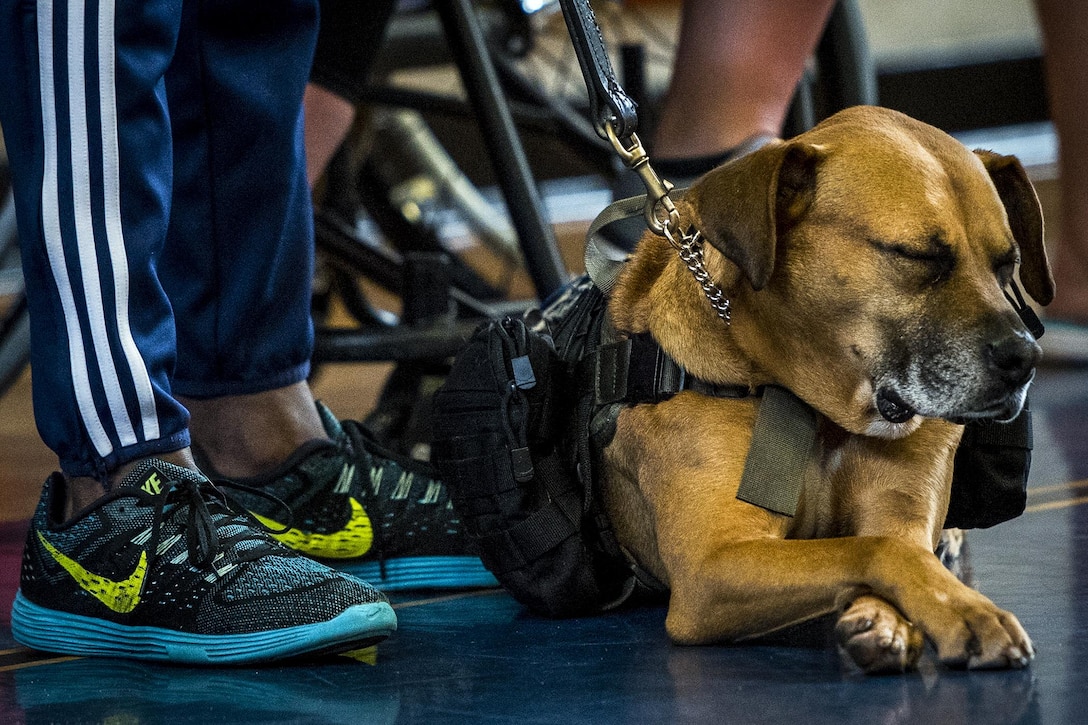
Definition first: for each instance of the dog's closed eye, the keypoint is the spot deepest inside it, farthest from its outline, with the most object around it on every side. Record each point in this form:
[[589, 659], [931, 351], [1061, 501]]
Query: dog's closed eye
[[935, 254]]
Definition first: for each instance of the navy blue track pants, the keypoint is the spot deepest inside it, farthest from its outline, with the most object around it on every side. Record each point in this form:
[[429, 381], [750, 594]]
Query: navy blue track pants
[[156, 151]]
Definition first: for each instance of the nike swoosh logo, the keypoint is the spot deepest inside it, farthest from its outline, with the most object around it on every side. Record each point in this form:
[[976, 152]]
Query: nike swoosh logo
[[350, 542], [120, 596]]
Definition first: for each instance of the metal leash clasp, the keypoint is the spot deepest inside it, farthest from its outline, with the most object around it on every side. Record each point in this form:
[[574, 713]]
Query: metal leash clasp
[[660, 212], [663, 219]]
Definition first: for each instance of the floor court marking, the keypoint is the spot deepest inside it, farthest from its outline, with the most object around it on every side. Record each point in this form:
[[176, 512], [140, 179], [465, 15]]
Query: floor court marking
[[1060, 504], [26, 657], [449, 597], [35, 663], [1058, 487], [1051, 505]]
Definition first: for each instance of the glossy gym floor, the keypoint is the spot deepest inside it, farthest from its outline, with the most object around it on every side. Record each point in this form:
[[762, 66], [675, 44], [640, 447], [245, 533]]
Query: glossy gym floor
[[477, 656]]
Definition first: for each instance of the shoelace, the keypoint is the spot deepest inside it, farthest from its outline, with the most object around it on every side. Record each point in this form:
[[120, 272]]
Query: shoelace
[[358, 440], [209, 510], [360, 444]]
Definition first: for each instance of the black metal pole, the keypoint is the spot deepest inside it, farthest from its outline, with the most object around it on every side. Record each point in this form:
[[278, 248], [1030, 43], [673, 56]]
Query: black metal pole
[[500, 137]]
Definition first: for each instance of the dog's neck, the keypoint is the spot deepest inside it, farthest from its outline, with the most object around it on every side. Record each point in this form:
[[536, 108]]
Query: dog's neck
[[657, 293]]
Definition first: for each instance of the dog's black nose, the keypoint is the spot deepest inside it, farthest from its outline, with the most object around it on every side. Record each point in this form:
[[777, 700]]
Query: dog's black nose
[[1012, 359]]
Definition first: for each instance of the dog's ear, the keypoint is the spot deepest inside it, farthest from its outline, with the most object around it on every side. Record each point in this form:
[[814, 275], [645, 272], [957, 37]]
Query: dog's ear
[[1025, 220], [743, 206]]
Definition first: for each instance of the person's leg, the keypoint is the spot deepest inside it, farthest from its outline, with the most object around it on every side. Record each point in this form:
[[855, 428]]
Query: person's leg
[[248, 434], [737, 65], [329, 117], [238, 265], [90, 152], [1065, 35], [243, 362], [347, 43], [158, 565], [239, 256]]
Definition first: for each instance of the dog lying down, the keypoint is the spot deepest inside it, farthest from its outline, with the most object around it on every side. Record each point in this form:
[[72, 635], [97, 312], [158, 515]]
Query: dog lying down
[[865, 262]]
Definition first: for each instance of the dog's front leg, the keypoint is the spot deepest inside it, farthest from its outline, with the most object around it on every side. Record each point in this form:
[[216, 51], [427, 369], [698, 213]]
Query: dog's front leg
[[742, 589]]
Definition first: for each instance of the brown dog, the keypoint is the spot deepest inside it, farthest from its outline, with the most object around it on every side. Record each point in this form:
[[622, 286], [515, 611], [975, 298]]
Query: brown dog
[[865, 261]]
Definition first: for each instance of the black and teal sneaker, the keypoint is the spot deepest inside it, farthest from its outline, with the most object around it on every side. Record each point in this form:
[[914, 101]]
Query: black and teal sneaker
[[368, 511], [162, 568]]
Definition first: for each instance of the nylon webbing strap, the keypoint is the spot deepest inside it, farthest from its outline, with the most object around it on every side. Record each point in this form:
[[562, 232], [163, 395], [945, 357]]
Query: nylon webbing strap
[[604, 260], [528, 540], [782, 442], [636, 370]]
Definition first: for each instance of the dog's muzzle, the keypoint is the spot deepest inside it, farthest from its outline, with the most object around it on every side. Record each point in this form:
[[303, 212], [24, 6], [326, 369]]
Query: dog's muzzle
[[989, 384], [1012, 360]]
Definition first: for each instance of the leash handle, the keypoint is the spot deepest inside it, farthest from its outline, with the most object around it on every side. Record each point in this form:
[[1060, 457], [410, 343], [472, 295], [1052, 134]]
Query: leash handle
[[614, 114], [609, 103]]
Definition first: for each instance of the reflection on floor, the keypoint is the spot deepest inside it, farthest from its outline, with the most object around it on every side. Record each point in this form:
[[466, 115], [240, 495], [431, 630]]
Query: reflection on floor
[[479, 657]]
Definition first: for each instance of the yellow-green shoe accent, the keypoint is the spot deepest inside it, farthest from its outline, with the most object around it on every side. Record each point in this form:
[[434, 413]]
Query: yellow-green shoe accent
[[165, 567], [364, 509], [120, 596], [352, 541]]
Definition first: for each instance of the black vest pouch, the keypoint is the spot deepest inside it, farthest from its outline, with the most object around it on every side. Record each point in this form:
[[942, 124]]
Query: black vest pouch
[[990, 477]]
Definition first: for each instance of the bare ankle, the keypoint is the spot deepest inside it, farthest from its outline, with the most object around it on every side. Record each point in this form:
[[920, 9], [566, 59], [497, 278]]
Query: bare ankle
[[246, 435], [82, 491]]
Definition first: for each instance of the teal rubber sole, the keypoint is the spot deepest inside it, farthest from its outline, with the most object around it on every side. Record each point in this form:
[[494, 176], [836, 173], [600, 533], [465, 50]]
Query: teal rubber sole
[[52, 631], [422, 572]]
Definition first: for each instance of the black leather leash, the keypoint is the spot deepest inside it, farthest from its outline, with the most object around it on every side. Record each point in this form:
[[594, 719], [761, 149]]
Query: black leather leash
[[635, 369], [615, 117], [609, 103]]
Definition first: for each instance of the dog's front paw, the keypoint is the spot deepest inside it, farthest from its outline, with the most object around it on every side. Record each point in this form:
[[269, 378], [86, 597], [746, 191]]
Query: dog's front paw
[[982, 636], [877, 637]]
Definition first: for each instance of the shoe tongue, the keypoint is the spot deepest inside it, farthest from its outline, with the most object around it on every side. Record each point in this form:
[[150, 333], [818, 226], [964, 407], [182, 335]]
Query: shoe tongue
[[332, 425], [152, 474]]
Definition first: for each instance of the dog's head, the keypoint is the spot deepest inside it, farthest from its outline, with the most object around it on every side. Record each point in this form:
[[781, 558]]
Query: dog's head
[[872, 255]]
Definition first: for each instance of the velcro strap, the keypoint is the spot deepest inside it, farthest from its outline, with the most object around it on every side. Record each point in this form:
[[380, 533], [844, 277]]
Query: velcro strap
[[636, 370], [782, 442], [652, 376], [713, 390], [528, 540], [610, 371]]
